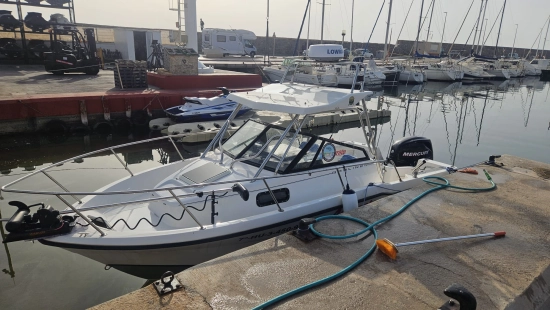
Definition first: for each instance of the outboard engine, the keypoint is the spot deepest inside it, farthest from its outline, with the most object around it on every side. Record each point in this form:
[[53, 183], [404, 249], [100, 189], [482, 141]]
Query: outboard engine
[[407, 151]]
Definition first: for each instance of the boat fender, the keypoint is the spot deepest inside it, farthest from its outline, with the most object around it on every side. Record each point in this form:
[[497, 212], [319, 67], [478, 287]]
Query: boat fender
[[103, 128], [349, 199], [217, 125], [55, 126], [200, 127], [187, 130]]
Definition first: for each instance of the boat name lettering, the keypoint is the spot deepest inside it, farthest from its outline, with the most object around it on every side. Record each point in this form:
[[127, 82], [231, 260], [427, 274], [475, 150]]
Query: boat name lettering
[[415, 153], [332, 52]]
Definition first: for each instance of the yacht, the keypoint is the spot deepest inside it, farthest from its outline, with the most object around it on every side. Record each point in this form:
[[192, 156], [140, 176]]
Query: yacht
[[255, 185]]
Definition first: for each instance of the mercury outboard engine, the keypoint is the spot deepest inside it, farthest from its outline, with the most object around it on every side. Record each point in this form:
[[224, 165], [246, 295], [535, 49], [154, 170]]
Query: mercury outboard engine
[[8, 22], [407, 151]]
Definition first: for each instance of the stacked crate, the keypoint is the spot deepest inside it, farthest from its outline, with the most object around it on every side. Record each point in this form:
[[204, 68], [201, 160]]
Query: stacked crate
[[130, 74]]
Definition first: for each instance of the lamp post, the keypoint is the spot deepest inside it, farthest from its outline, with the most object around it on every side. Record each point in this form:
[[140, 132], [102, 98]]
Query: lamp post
[[343, 35]]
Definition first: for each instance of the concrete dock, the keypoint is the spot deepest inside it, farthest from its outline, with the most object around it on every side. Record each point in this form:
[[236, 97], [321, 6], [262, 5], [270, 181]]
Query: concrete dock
[[507, 273]]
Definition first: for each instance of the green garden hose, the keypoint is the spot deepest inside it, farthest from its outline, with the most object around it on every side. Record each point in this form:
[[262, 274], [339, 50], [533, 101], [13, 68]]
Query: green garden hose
[[370, 227]]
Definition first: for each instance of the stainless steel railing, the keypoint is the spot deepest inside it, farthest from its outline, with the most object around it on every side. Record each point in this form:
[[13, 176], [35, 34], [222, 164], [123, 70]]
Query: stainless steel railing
[[170, 190]]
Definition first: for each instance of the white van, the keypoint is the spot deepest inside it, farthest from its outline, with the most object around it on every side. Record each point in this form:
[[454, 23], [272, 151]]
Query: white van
[[223, 42]]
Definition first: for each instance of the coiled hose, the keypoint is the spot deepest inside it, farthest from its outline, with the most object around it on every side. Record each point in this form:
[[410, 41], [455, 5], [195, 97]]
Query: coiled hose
[[370, 227]]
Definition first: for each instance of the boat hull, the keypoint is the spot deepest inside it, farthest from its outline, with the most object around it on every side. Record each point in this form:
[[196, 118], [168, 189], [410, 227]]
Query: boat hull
[[150, 262], [413, 77]]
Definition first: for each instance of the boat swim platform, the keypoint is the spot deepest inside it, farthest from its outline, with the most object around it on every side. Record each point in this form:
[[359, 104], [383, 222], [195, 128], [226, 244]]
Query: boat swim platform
[[30, 97], [506, 273]]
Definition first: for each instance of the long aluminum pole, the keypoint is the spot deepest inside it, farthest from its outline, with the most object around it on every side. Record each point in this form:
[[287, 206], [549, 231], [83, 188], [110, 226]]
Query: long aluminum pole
[[267, 34], [351, 34], [495, 234], [430, 23], [418, 32], [387, 31], [477, 27], [443, 34], [546, 36], [500, 27], [322, 21], [514, 45], [481, 29]]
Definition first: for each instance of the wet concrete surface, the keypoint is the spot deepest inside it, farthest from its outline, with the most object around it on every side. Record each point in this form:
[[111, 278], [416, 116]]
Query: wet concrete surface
[[506, 273]]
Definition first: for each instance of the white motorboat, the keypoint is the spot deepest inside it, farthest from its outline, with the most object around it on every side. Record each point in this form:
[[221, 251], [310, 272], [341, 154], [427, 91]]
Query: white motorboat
[[256, 185]]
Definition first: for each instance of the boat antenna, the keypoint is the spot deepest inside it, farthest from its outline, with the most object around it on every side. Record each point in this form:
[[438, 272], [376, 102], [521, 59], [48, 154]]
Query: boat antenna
[[301, 27], [499, 28]]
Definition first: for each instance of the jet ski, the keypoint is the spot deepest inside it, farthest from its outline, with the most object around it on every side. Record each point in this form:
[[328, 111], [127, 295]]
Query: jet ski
[[205, 109]]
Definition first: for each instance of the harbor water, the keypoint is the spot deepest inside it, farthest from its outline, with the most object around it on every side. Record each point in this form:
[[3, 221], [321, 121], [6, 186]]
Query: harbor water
[[466, 123]]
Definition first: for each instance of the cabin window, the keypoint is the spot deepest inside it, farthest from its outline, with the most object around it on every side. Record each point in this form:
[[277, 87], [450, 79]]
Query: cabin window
[[535, 62], [221, 38], [206, 37], [265, 199], [232, 38], [242, 138]]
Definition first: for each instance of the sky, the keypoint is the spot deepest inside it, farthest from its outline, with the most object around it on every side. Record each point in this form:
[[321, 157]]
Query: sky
[[286, 17]]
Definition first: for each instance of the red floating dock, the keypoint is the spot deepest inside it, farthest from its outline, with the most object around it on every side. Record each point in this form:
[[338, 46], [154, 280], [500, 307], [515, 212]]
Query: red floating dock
[[31, 113]]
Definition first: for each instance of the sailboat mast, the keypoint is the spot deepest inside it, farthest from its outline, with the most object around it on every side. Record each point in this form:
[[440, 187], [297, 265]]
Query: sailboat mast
[[477, 25], [481, 29], [430, 23], [387, 32], [351, 34], [418, 32], [545, 36], [323, 21], [443, 34], [308, 23], [514, 45], [500, 27]]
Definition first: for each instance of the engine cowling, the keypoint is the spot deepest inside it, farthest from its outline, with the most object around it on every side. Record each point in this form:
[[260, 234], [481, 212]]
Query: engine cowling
[[407, 151]]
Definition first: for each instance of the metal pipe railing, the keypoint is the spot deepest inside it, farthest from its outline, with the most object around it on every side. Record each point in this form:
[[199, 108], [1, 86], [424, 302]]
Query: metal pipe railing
[[3, 188]]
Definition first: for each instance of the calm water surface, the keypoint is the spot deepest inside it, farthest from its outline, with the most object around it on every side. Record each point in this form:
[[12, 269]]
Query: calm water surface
[[466, 124]]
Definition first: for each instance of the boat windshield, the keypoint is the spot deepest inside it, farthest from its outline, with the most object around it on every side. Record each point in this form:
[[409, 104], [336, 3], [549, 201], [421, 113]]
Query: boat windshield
[[254, 141]]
